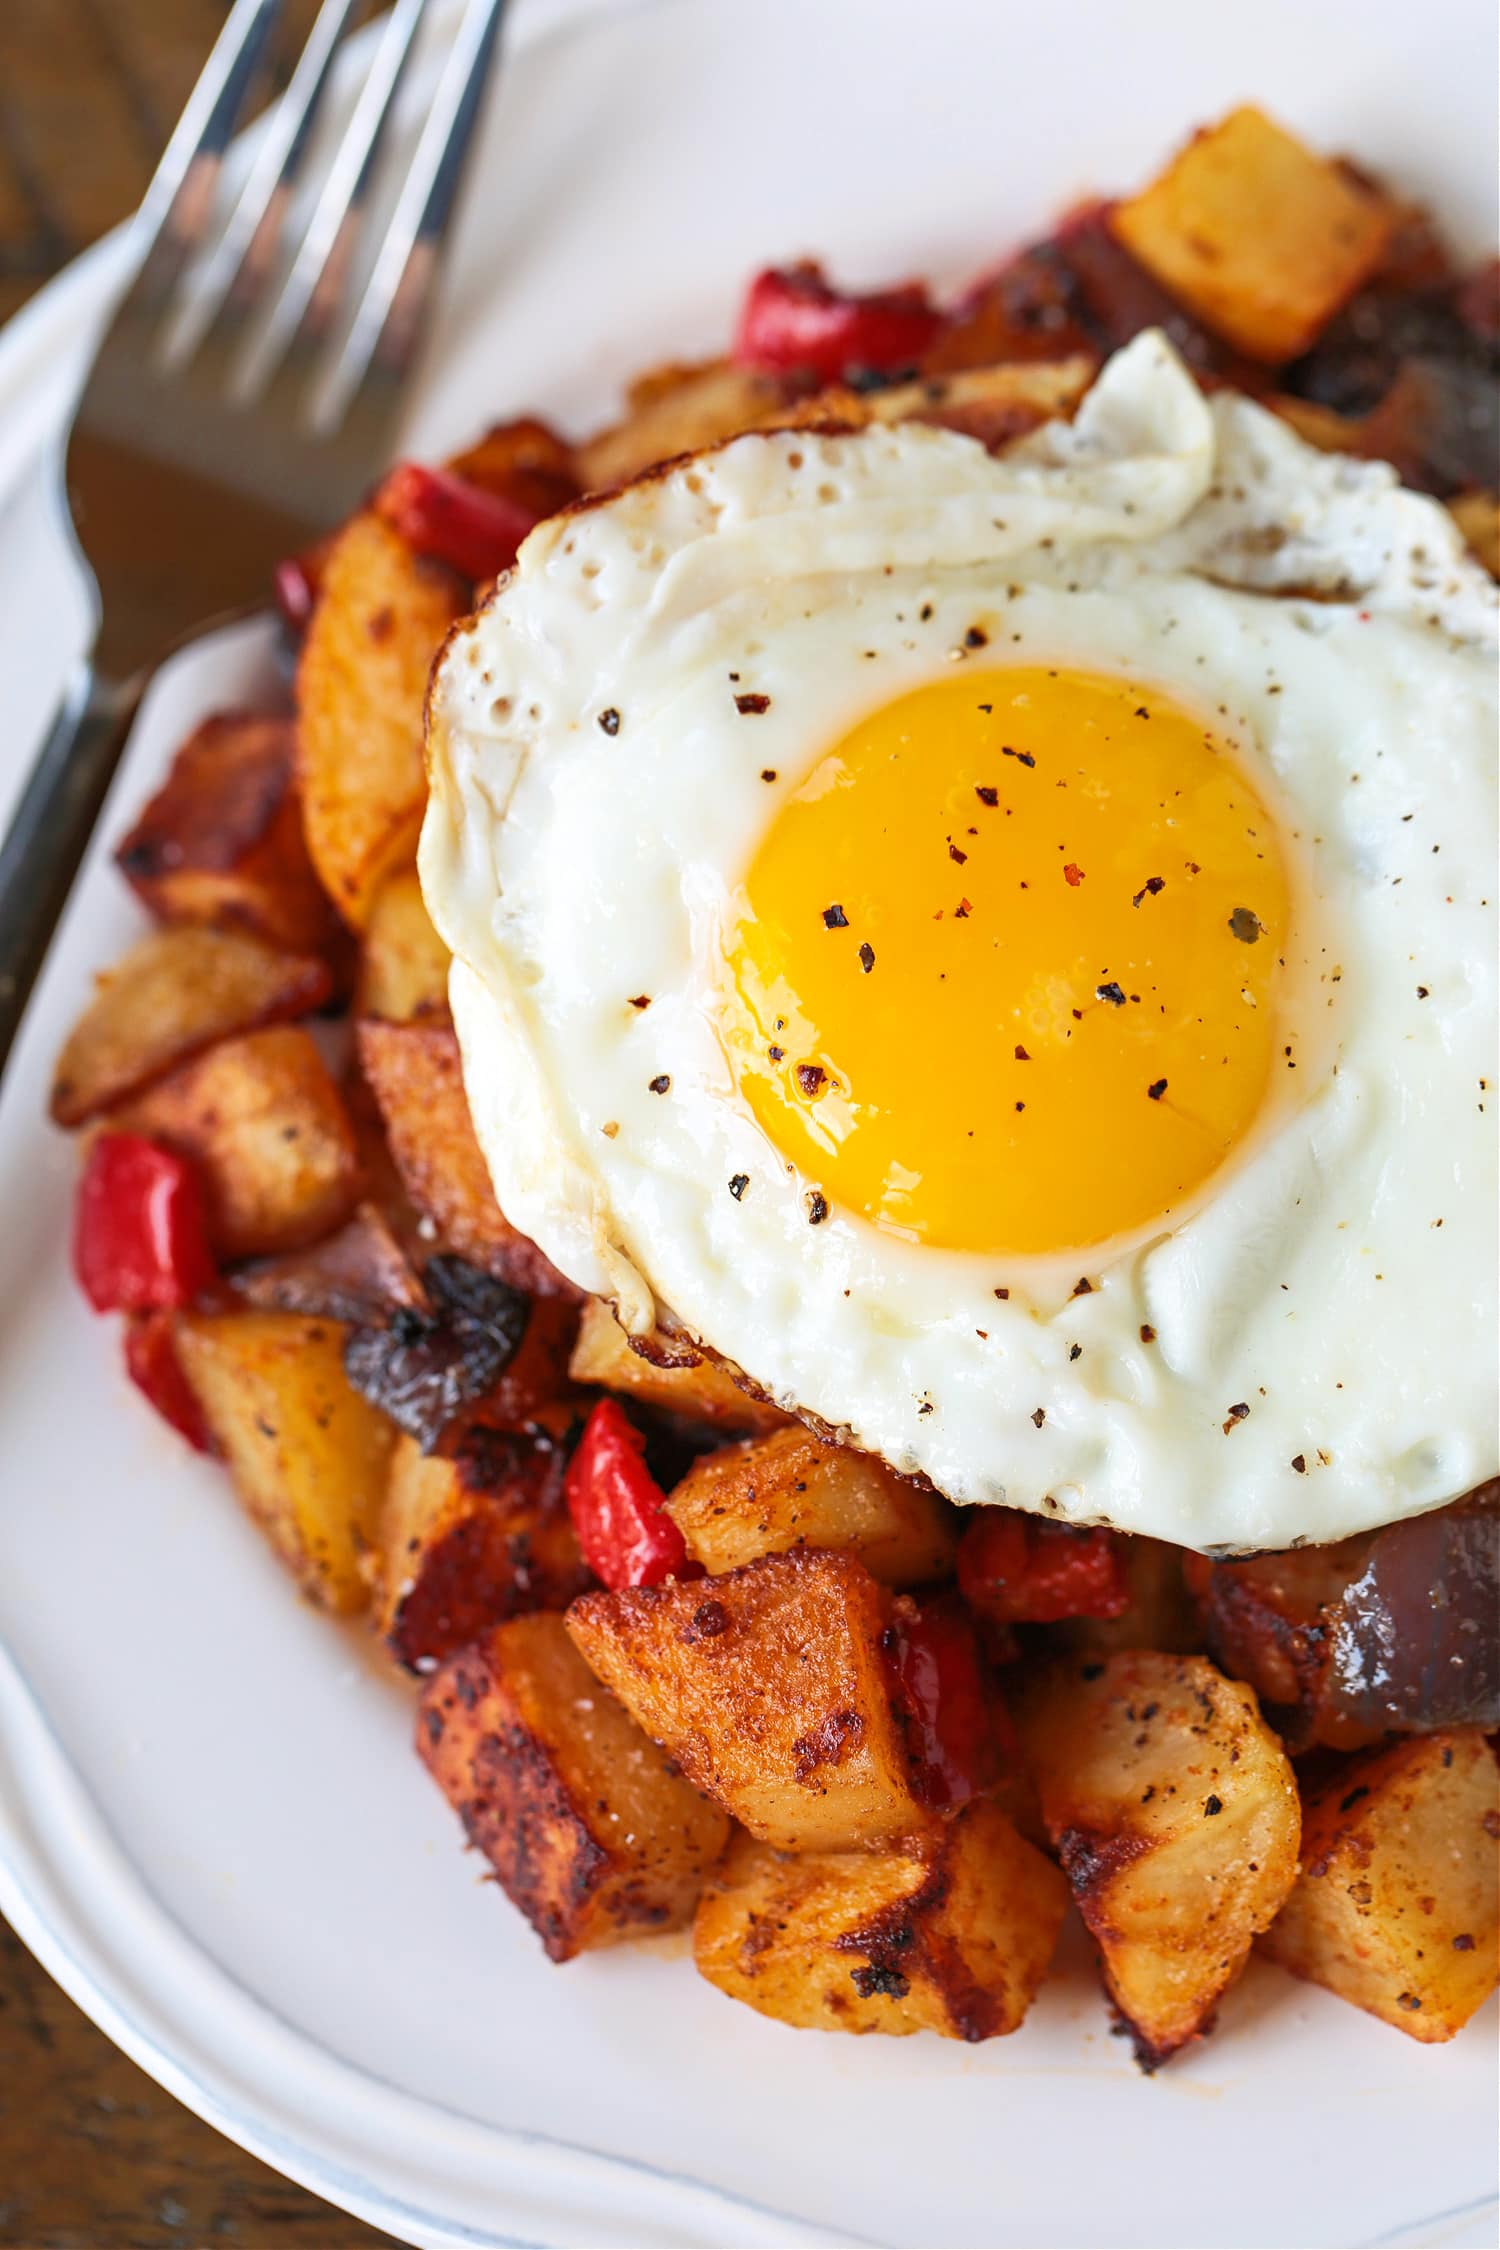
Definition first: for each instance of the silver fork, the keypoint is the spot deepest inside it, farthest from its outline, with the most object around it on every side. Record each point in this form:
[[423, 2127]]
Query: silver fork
[[241, 402]]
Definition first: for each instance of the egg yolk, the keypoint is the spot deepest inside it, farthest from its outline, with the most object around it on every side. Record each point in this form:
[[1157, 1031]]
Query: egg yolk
[[1005, 964]]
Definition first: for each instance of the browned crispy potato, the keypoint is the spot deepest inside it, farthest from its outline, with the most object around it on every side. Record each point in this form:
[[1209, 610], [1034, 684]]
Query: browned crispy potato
[[380, 616], [465, 1543], [677, 410], [1174, 1811], [265, 1125], [403, 963], [698, 1389], [1255, 234], [221, 842], [1319, 425], [993, 404], [1395, 1908], [1477, 515], [522, 461], [951, 1933], [1160, 1613], [307, 1455], [414, 1071], [175, 992], [769, 1689], [593, 1834], [792, 1489]]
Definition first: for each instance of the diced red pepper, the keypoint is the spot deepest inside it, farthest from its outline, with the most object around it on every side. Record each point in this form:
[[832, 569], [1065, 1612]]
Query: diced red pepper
[[944, 1697], [140, 1229], [438, 514], [153, 1366], [1023, 1571], [627, 1537], [793, 322]]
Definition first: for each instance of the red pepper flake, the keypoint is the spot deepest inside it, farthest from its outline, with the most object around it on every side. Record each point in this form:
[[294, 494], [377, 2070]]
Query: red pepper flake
[[867, 957], [1245, 925], [811, 1078], [751, 706], [1021, 1055], [1156, 1089], [1022, 757], [1110, 992], [610, 720], [817, 1207], [985, 794], [1072, 876], [1237, 1413], [959, 858], [1150, 888], [834, 918], [641, 1000], [1039, 1416], [1148, 1333], [738, 1185], [1299, 1463]]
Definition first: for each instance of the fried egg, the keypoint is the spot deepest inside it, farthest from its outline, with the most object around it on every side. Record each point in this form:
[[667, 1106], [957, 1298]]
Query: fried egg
[[1001, 950]]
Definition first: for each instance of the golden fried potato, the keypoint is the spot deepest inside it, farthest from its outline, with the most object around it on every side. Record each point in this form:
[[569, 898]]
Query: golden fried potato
[[465, 1543], [951, 1933], [413, 1069], [403, 963], [221, 842], [379, 620], [1396, 1905], [523, 461], [769, 1689], [268, 1131], [698, 1389], [593, 1834], [1257, 236], [993, 404], [307, 1455], [1477, 515], [1173, 1809], [677, 410], [792, 1489], [174, 993]]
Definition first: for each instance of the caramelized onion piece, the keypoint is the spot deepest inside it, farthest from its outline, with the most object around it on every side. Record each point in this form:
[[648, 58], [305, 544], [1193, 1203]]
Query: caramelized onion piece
[[360, 1274]]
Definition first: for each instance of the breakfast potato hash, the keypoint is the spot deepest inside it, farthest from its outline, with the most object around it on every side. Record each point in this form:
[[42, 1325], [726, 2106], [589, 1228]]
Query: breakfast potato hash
[[686, 1656]]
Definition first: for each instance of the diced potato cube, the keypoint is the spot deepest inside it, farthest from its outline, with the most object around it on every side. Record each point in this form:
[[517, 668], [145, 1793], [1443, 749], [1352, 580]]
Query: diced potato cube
[[677, 410], [414, 1071], [523, 461], [593, 1834], [769, 1689], [266, 1126], [996, 405], [1174, 1811], [403, 963], [1259, 237], [221, 842], [468, 1542], [792, 1489], [1395, 1908], [698, 1389], [380, 616], [307, 1455], [174, 993], [951, 1932], [1477, 515]]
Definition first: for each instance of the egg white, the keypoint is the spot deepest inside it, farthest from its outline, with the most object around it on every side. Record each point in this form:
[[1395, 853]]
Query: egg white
[[597, 794]]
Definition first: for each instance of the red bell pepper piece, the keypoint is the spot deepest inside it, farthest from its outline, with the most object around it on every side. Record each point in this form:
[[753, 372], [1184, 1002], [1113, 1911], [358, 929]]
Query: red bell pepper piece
[[627, 1537], [438, 514], [140, 1229], [1023, 1571], [793, 322], [943, 1696], [153, 1366]]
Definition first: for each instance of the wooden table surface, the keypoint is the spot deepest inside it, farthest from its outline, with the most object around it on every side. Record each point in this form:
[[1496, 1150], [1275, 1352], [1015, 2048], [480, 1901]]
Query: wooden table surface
[[93, 2154]]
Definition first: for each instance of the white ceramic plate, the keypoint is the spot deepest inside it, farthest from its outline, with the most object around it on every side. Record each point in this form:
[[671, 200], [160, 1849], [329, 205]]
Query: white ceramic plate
[[212, 1829]]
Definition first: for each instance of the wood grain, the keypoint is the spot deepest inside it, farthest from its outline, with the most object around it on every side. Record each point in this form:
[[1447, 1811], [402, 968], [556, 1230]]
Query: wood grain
[[93, 2154]]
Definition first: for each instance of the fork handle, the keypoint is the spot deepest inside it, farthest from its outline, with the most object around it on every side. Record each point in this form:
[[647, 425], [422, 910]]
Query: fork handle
[[50, 831]]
